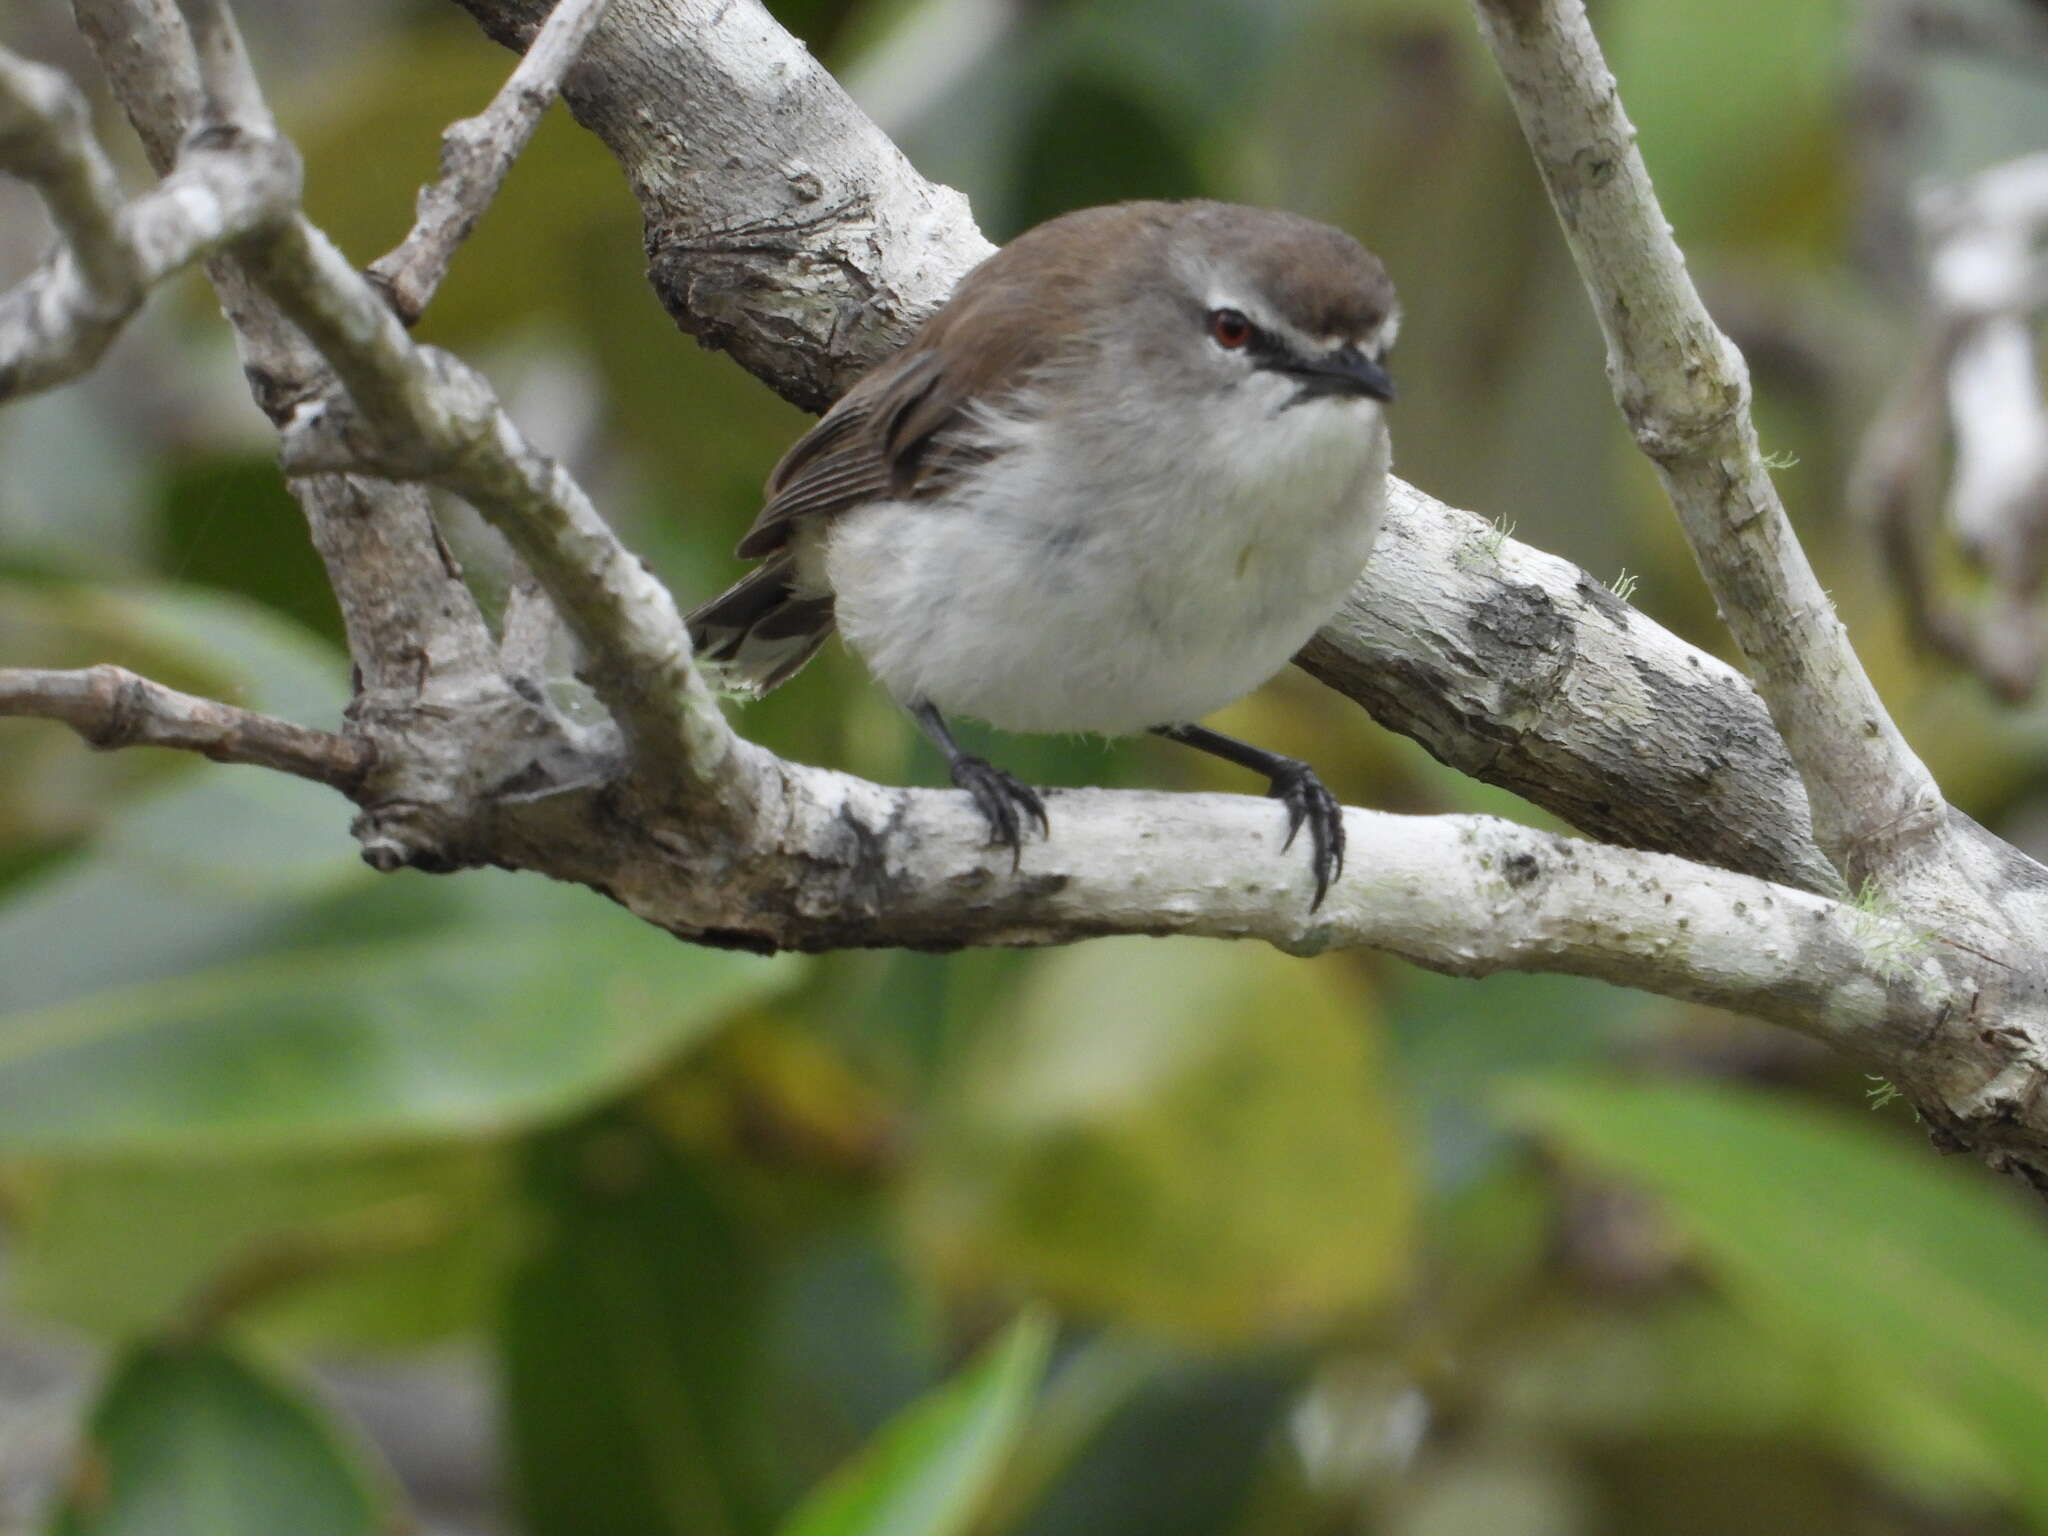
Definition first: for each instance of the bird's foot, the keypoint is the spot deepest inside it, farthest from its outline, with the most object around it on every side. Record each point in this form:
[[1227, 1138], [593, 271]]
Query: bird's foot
[[1296, 786], [1005, 802]]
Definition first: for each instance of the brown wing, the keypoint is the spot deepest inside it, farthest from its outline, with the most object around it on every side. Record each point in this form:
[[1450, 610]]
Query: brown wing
[[901, 432], [844, 460]]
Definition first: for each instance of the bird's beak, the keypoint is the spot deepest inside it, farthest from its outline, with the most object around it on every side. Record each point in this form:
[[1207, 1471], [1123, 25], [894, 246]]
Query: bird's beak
[[1346, 371]]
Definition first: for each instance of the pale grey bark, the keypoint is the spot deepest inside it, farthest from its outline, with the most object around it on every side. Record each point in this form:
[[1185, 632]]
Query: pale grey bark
[[475, 155], [1520, 669], [810, 246], [55, 323], [1684, 390], [111, 707], [781, 224]]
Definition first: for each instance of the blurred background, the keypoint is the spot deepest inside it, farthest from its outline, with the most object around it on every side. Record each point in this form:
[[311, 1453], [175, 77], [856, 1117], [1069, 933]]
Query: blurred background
[[338, 1194]]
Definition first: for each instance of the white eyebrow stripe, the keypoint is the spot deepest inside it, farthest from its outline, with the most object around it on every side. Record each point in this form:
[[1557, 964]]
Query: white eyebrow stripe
[[1300, 341]]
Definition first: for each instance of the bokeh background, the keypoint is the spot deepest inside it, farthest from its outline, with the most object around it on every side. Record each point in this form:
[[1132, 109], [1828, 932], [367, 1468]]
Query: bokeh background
[[471, 1196]]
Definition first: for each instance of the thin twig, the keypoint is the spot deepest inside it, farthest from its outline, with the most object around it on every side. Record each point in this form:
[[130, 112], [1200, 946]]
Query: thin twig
[[112, 707], [227, 80], [476, 153], [57, 322], [46, 139]]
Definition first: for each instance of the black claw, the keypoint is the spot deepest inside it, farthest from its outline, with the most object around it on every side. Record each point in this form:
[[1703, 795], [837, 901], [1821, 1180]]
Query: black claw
[[1000, 796], [1296, 786]]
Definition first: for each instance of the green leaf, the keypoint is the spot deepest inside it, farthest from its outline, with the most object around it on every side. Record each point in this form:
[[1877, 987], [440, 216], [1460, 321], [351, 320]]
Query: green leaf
[[634, 1360], [1457, 1038], [194, 1440], [53, 789], [1905, 1269], [554, 1001], [379, 1250], [928, 1472], [1695, 1368], [198, 871], [1696, 82], [1191, 1135], [236, 527]]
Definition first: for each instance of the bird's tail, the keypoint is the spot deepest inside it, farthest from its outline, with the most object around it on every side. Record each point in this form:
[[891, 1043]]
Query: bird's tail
[[757, 633]]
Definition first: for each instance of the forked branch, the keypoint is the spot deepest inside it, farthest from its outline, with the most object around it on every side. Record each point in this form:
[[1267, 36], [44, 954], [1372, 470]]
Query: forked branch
[[716, 841], [1685, 392]]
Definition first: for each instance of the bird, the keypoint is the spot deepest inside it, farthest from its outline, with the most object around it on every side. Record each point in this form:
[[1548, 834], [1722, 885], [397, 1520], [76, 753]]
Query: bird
[[1114, 484]]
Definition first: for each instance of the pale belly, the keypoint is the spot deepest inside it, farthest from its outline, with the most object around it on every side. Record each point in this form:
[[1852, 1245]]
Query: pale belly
[[1037, 617]]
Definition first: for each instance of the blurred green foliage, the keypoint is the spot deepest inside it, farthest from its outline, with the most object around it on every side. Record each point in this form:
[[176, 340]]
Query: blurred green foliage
[[1333, 1246], [195, 1440]]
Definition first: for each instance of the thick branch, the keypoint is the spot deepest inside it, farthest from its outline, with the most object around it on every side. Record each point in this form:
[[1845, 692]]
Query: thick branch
[[1520, 669], [1685, 391], [476, 153], [810, 859], [791, 280], [782, 225], [112, 707], [848, 863], [821, 289]]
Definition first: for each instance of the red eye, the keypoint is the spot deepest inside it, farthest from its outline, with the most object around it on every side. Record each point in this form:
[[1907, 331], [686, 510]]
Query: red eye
[[1228, 328]]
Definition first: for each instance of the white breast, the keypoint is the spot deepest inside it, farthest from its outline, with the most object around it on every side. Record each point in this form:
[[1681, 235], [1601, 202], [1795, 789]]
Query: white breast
[[1099, 580]]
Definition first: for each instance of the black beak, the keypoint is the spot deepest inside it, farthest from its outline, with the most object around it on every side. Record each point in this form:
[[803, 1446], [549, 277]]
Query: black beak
[[1346, 371]]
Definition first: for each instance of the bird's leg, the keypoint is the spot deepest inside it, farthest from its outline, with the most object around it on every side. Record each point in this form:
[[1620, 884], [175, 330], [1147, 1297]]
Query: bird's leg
[[998, 795], [1295, 786]]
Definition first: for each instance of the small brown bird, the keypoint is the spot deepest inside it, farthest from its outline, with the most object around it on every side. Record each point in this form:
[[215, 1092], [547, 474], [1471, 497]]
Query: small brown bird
[[1115, 484]]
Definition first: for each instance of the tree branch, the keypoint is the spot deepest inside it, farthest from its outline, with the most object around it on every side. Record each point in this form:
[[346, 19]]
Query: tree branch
[[807, 300], [430, 417], [420, 647], [786, 856], [1974, 384], [412, 413], [821, 287], [111, 707], [55, 324], [1518, 668], [855, 864], [45, 140], [806, 245], [476, 152], [1685, 392], [847, 863]]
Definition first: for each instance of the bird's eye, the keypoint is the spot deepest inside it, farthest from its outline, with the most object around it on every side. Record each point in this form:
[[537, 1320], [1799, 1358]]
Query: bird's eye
[[1230, 330]]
